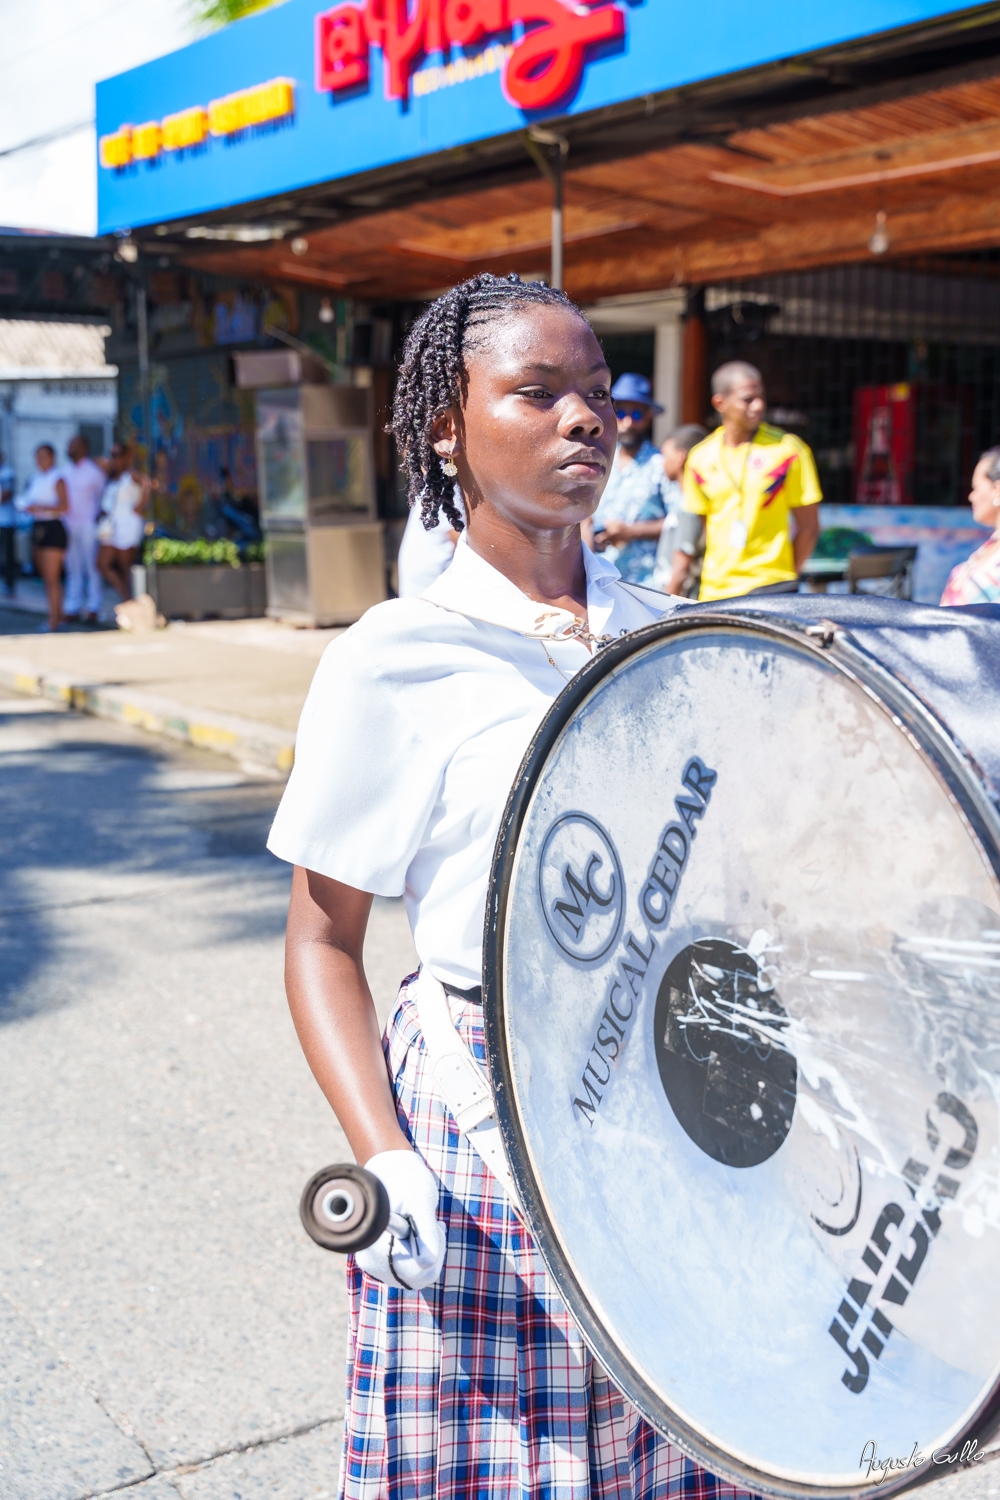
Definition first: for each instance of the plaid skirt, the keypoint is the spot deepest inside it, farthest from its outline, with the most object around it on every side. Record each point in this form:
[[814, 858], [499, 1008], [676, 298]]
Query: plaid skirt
[[480, 1387]]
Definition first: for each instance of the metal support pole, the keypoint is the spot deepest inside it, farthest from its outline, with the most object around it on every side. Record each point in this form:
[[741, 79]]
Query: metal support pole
[[557, 220], [145, 393], [547, 150]]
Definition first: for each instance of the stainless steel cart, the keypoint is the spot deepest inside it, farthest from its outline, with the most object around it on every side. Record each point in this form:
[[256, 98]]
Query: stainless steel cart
[[325, 549]]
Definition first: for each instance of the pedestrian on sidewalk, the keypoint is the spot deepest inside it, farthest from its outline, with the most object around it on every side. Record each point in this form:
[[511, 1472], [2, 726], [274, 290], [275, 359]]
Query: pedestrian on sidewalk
[[466, 1375], [85, 482], [46, 499], [977, 580], [674, 453], [627, 524], [123, 519], [752, 491], [8, 528]]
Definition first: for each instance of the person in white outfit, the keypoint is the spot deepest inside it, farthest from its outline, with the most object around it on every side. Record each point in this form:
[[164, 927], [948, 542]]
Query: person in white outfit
[[45, 501], [423, 554], [123, 522], [466, 1373], [85, 482]]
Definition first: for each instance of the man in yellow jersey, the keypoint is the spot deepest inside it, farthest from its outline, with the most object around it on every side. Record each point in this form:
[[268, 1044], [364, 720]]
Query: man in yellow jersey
[[743, 482]]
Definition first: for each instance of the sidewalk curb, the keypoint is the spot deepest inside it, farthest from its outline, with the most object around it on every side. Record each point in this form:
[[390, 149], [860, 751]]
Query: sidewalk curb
[[226, 734]]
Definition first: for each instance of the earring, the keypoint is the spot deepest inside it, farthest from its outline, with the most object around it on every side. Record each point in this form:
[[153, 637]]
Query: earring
[[449, 467]]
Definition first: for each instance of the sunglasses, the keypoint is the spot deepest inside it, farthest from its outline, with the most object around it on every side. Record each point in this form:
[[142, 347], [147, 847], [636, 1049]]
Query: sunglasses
[[635, 412]]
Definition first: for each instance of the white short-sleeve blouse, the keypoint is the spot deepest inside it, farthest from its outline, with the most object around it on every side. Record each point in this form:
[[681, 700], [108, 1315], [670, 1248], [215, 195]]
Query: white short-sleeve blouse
[[411, 736]]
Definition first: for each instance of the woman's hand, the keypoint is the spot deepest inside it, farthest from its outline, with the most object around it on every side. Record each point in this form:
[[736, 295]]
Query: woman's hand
[[412, 1261], [334, 1013]]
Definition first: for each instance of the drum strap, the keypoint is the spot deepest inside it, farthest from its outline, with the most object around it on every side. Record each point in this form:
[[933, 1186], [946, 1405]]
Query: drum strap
[[460, 1080]]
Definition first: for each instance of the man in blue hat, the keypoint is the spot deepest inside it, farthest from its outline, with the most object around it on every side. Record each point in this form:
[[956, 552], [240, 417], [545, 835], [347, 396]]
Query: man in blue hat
[[627, 524]]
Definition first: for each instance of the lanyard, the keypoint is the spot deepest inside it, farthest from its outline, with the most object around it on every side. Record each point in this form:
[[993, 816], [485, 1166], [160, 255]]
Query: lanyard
[[740, 530]]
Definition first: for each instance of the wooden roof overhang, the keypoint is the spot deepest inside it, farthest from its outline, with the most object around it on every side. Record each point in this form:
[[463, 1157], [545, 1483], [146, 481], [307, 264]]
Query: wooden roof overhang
[[783, 169]]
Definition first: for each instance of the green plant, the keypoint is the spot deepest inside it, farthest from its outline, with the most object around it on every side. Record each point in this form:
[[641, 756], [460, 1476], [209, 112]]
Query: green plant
[[170, 553]]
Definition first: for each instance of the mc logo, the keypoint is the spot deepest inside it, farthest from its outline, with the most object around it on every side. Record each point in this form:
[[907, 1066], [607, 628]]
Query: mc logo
[[580, 887]]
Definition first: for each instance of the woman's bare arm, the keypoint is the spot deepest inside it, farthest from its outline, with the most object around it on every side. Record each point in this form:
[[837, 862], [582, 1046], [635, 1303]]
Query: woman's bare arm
[[333, 1010]]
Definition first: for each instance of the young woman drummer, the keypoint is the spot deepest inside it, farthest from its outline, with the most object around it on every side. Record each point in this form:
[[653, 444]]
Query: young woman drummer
[[466, 1377]]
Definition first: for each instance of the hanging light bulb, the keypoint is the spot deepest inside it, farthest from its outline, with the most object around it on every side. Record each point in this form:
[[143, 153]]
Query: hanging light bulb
[[879, 242], [326, 311]]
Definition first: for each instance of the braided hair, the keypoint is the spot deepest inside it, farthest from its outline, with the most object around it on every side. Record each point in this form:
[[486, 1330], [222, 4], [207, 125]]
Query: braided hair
[[433, 376]]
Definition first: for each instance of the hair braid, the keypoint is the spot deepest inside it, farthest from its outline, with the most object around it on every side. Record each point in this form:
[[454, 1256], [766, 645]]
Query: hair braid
[[433, 376]]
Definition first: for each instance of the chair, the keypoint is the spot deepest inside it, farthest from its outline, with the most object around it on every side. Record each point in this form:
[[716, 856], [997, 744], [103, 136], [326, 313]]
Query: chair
[[894, 563]]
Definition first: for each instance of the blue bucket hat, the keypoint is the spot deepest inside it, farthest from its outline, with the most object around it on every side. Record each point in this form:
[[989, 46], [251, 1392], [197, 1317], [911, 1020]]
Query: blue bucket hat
[[635, 388]]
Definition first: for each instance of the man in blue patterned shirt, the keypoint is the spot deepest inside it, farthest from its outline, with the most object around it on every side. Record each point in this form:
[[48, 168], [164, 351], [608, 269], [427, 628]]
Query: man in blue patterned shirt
[[627, 524]]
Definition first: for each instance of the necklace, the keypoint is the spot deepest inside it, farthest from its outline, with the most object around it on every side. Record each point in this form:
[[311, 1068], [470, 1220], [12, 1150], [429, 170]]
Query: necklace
[[578, 631], [552, 662]]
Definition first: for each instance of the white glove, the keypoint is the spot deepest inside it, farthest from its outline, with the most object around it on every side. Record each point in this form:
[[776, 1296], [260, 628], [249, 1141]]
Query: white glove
[[409, 1260]]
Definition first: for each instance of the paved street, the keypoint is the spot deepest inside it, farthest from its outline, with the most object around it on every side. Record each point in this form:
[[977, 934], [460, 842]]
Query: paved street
[[167, 1326], [168, 1330]]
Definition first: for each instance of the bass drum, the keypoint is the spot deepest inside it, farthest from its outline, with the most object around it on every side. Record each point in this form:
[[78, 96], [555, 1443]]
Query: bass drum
[[743, 1022]]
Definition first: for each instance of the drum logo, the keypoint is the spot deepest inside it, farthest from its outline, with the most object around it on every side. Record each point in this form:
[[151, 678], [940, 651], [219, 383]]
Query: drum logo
[[581, 888], [656, 903], [898, 1245], [721, 1050]]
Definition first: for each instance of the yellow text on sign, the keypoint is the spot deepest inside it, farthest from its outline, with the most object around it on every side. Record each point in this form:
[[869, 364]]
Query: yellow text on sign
[[258, 106], [274, 100], [189, 127]]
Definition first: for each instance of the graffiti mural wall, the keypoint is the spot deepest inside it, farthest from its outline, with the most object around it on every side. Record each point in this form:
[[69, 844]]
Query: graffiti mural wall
[[203, 437]]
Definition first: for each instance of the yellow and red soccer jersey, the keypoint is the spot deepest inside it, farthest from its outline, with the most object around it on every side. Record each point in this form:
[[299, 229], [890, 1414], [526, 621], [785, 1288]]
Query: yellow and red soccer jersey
[[745, 495]]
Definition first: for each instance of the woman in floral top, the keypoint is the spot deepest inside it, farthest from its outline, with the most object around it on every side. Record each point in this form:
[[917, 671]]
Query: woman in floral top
[[978, 580]]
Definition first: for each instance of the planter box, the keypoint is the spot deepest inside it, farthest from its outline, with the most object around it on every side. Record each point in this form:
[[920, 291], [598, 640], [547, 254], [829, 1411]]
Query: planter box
[[202, 591]]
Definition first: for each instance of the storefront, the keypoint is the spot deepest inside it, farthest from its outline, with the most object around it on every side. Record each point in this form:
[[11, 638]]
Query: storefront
[[814, 191]]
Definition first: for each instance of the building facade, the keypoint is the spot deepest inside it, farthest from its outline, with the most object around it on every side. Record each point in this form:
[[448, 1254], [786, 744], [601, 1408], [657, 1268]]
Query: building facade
[[54, 382], [815, 194]]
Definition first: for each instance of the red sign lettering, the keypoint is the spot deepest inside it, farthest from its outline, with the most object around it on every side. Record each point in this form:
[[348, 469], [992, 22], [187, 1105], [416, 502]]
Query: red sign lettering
[[341, 49], [547, 62], [390, 26], [545, 65]]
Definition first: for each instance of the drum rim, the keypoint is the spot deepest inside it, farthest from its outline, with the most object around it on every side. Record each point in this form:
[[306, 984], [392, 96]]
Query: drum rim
[[834, 645]]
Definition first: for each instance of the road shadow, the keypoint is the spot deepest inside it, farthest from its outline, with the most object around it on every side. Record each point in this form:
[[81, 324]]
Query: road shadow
[[87, 809]]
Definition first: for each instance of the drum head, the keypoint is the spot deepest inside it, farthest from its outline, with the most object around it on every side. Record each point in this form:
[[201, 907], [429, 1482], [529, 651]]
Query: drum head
[[743, 1019]]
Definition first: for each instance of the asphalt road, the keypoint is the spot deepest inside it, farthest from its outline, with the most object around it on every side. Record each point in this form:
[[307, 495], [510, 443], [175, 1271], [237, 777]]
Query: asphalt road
[[167, 1328]]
